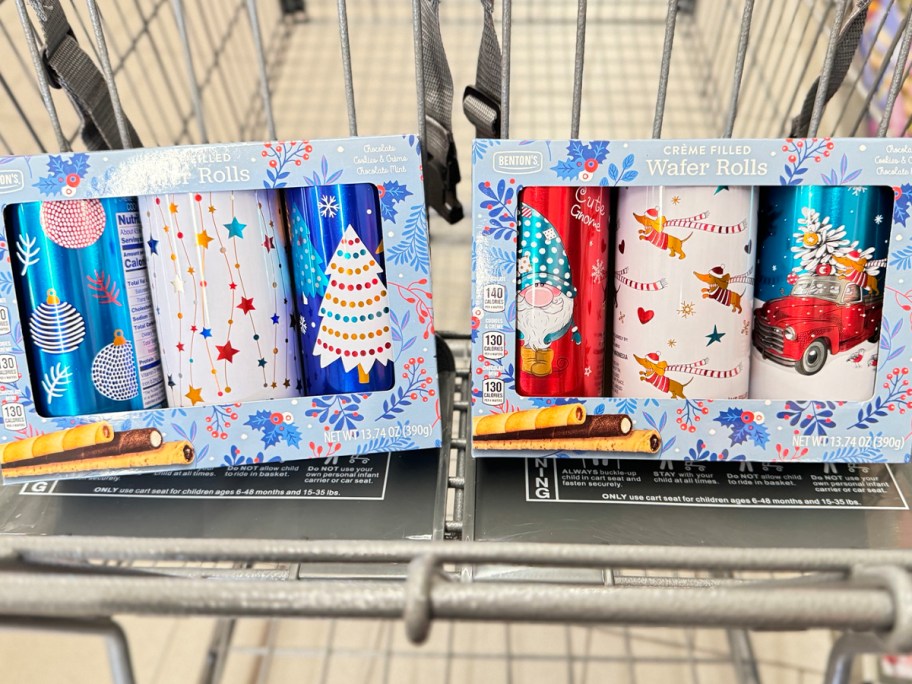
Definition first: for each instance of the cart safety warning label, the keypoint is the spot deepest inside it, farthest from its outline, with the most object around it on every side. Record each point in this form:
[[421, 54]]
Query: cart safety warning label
[[742, 485], [343, 477]]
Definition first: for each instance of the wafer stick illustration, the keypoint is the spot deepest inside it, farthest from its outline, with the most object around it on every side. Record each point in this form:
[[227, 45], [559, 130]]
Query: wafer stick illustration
[[612, 425], [531, 419], [129, 442], [90, 434], [636, 441], [168, 454]]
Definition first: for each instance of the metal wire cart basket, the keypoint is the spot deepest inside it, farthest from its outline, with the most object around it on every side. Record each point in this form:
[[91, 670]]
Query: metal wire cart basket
[[629, 593]]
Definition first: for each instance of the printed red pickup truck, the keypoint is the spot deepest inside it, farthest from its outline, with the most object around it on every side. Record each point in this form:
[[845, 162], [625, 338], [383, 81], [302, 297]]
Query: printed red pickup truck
[[823, 315]]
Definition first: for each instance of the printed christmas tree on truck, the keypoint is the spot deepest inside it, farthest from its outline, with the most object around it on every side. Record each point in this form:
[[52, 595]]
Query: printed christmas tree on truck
[[356, 327]]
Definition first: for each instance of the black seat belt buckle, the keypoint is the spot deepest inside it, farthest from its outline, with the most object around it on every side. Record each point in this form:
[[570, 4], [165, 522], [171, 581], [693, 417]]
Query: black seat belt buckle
[[440, 179], [482, 111]]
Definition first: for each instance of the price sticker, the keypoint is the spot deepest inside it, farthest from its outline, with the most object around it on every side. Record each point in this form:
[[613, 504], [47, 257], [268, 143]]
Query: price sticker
[[14, 417], [9, 369]]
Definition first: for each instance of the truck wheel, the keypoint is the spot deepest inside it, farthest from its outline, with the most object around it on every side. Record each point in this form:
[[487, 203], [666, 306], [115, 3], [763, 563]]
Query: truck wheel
[[813, 358], [875, 336]]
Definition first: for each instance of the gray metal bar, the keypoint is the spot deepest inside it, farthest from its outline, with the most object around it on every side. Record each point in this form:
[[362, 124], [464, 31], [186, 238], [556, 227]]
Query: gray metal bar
[[899, 74], [578, 68], [217, 653], [505, 63], [195, 94], [41, 76], [420, 93], [347, 69], [827, 70], [743, 40], [670, 20], [104, 59], [843, 653], [261, 66], [875, 85]]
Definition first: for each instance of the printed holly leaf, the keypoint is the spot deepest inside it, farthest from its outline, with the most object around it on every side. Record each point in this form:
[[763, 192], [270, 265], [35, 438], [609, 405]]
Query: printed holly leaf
[[259, 420], [757, 434], [902, 203], [598, 150], [577, 151], [48, 185], [395, 191], [566, 169], [730, 417], [57, 165], [272, 435], [292, 436], [79, 164]]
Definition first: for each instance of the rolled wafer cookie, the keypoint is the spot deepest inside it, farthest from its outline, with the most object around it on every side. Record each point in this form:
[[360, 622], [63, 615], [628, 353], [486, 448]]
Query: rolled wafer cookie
[[168, 454], [610, 425], [86, 435], [129, 442], [637, 441], [531, 419]]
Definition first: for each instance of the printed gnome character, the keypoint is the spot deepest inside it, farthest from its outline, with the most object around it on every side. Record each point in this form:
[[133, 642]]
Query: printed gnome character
[[544, 306]]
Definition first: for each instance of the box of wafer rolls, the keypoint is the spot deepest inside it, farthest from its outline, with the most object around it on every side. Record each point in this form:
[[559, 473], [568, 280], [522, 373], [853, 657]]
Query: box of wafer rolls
[[213, 306], [705, 300]]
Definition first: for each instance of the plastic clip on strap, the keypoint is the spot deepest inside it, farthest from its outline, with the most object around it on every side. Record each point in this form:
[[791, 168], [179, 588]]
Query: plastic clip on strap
[[70, 68], [846, 44], [441, 168], [481, 102]]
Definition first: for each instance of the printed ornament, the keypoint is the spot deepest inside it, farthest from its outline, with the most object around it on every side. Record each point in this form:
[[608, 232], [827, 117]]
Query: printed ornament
[[114, 369], [73, 223], [356, 325], [56, 327]]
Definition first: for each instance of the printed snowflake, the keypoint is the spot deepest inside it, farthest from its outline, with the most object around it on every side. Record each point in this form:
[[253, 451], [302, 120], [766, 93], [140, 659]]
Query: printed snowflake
[[687, 309], [672, 343], [622, 316], [818, 240], [745, 327], [328, 206], [587, 372], [599, 269], [878, 219], [858, 189], [676, 199]]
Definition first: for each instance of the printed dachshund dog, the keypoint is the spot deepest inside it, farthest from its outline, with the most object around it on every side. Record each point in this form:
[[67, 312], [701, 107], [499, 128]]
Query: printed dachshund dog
[[718, 282], [655, 375], [654, 231], [853, 269]]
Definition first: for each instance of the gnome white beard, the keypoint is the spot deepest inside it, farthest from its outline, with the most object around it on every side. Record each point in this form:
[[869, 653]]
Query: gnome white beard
[[537, 322]]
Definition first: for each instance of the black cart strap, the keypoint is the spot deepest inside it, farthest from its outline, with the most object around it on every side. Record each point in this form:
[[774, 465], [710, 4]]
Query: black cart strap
[[441, 169], [846, 44], [70, 68], [481, 102]]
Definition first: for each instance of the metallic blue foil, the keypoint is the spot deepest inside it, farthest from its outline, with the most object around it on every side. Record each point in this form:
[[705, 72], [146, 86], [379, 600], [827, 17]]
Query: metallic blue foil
[[783, 208], [319, 216], [85, 307]]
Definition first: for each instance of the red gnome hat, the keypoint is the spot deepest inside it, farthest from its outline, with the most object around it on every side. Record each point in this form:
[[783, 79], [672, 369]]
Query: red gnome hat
[[718, 271], [653, 213], [653, 356]]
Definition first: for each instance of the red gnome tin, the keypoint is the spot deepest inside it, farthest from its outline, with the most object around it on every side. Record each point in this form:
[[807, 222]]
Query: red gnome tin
[[562, 271]]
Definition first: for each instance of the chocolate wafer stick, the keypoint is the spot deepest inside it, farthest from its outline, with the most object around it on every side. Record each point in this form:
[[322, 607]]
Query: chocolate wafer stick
[[636, 441], [611, 425], [168, 454], [86, 435], [129, 442]]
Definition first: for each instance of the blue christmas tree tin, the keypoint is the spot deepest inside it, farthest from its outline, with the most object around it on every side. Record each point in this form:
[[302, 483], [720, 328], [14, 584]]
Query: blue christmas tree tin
[[80, 274]]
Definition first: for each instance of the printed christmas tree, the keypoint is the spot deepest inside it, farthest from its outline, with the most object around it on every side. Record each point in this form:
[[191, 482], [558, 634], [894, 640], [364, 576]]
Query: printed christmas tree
[[356, 326], [307, 259]]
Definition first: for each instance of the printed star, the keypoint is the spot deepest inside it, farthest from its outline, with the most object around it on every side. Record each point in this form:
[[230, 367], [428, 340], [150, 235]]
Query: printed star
[[274, 385], [287, 382], [193, 328], [720, 189], [171, 382], [246, 305], [275, 319], [715, 336], [676, 200], [261, 363], [180, 346], [232, 286], [211, 209], [672, 343], [153, 245], [269, 243], [172, 208], [191, 270], [587, 372], [195, 395], [203, 239], [226, 352], [206, 332], [878, 219], [235, 228], [177, 284]]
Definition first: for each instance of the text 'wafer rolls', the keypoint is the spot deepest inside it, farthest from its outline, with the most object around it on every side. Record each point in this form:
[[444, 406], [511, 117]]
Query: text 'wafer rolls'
[[87, 435], [531, 419], [168, 454], [129, 442], [637, 441], [612, 425]]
